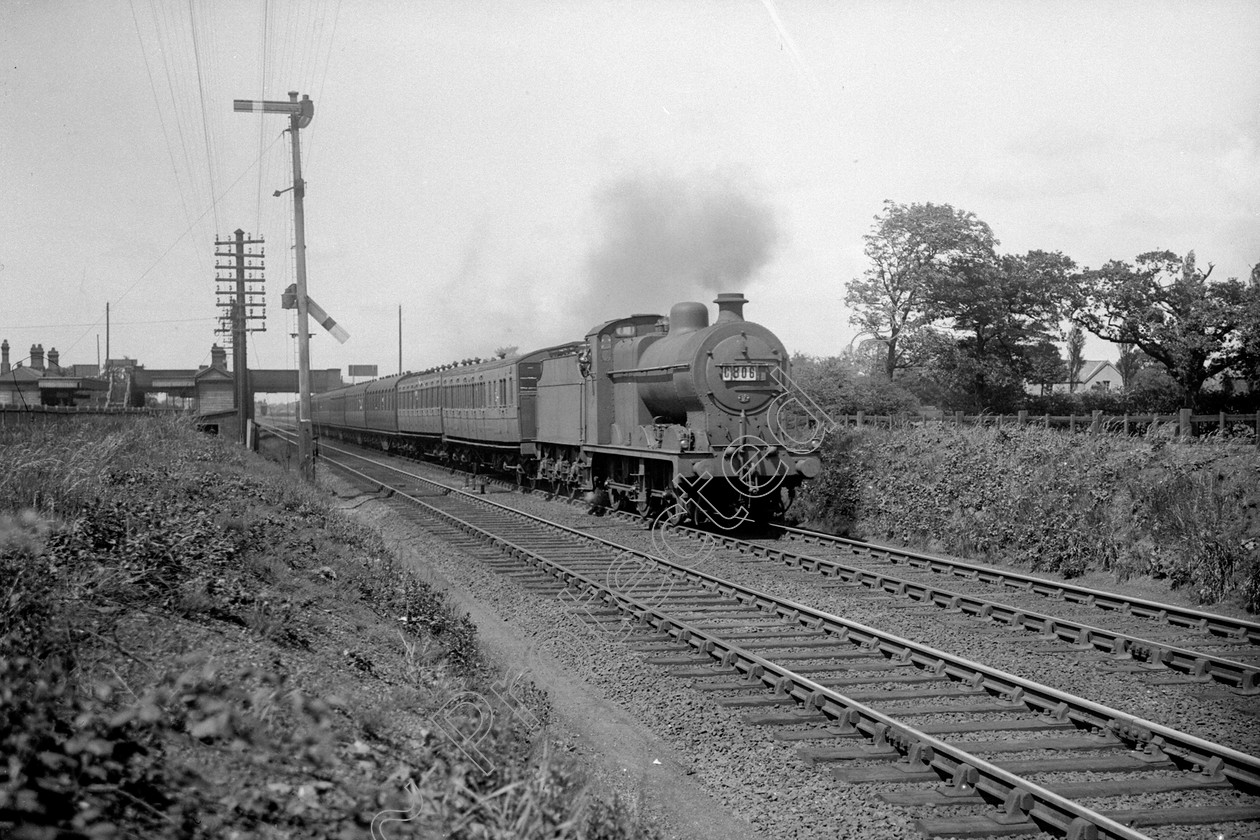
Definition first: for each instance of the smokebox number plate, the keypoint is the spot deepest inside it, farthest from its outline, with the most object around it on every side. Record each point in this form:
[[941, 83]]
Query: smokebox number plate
[[743, 373]]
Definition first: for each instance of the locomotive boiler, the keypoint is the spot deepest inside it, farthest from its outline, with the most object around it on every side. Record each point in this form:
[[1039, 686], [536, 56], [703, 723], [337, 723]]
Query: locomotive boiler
[[660, 415]]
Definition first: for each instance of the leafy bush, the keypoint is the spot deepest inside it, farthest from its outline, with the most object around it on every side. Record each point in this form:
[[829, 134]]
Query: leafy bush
[[1053, 502], [840, 386], [167, 605]]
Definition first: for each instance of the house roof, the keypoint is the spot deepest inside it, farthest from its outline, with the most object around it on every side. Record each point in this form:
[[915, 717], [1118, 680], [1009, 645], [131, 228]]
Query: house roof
[[1092, 368], [1088, 369], [212, 373], [20, 375]]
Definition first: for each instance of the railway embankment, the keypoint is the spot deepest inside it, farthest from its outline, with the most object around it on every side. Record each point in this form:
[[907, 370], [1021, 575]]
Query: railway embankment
[[1178, 516], [193, 645]]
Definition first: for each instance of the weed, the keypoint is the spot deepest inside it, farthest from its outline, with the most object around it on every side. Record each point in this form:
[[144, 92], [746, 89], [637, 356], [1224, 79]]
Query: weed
[[121, 546], [1054, 502]]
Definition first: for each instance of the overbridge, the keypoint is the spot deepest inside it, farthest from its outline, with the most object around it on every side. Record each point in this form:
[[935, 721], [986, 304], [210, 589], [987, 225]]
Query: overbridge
[[183, 383]]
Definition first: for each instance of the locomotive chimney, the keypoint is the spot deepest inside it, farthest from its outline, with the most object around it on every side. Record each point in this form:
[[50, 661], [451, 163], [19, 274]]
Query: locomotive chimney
[[4, 357], [730, 306], [37, 356]]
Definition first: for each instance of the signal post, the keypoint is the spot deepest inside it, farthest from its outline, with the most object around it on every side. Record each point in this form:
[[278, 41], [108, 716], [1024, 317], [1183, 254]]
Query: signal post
[[300, 114]]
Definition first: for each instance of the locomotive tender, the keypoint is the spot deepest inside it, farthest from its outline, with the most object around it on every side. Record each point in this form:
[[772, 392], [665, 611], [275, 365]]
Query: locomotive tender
[[669, 415]]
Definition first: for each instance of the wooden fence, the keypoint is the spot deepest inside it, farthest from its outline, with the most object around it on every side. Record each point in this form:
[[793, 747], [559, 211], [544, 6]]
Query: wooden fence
[[1186, 424]]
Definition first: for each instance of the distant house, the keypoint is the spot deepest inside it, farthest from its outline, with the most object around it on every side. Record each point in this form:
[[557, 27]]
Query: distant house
[[1094, 376]]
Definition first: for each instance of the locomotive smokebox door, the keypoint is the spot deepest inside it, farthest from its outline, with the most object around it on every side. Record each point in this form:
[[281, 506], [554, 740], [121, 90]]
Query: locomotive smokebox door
[[741, 374]]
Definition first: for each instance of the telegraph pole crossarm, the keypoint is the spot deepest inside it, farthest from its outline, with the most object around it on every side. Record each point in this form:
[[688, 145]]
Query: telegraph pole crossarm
[[300, 114]]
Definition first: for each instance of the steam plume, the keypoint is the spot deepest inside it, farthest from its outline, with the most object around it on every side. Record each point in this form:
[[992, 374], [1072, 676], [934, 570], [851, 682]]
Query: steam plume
[[667, 238]]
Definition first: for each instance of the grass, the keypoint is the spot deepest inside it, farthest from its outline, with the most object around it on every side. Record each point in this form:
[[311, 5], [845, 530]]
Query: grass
[[191, 645], [1188, 516]]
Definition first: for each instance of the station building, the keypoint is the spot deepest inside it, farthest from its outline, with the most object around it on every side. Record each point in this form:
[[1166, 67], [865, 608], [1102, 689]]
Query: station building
[[207, 392], [44, 381]]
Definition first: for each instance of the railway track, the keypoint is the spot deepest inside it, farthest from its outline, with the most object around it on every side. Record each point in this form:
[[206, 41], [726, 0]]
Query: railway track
[[865, 705], [1224, 627], [1178, 642], [1154, 635]]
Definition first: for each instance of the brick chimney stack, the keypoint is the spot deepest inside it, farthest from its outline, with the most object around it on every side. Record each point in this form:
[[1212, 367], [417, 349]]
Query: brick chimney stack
[[54, 360], [4, 357], [218, 357], [37, 357]]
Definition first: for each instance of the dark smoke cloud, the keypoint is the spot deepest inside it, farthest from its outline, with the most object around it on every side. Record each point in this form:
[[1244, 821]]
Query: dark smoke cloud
[[667, 238]]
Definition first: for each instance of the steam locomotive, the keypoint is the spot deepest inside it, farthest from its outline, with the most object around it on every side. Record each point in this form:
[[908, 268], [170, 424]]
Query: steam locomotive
[[666, 416]]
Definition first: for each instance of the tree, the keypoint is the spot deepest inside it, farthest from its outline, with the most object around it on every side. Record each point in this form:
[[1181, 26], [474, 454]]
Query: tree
[[1076, 356], [1248, 366], [949, 379], [841, 385], [1166, 306], [910, 247], [1130, 363], [1045, 365], [1003, 306]]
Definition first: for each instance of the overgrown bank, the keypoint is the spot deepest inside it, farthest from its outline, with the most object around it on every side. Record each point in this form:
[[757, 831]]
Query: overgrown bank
[[1188, 515], [193, 646]]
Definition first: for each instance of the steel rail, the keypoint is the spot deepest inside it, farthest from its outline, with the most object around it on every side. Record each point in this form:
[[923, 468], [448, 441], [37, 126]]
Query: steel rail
[[1019, 796], [1156, 742], [1242, 676], [1220, 625]]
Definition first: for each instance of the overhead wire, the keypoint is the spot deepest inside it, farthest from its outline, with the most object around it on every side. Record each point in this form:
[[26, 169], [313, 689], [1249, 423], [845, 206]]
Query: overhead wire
[[328, 55], [262, 94], [319, 92], [171, 247], [296, 42], [183, 196], [120, 323], [205, 124], [167, 49]]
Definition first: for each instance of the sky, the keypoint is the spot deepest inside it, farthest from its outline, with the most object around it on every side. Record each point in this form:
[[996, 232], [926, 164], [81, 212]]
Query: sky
[[511, 174]]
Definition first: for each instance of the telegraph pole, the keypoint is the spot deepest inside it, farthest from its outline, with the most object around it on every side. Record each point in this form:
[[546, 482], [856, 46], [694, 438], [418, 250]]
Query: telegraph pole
[[300, 114], [245, 300]]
